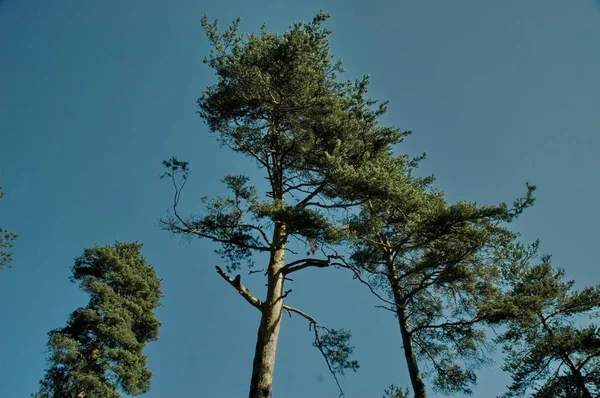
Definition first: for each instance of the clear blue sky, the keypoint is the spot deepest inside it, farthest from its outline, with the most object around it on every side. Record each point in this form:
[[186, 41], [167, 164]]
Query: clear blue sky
[[95, 94]]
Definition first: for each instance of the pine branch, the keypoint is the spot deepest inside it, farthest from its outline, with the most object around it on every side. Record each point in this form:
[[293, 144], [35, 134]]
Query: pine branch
[[334, 205], [468, 322], [186, 228], [315, 326]]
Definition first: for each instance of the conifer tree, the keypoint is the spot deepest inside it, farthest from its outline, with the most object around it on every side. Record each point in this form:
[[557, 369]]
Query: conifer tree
[[100, 351], [552, 347], [439, 264], [317, 142]]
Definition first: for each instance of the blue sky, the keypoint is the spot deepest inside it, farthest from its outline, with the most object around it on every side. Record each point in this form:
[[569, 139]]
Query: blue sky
[[96, 94]]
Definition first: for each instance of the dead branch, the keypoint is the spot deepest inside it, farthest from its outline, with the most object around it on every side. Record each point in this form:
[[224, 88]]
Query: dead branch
[[244, 292]]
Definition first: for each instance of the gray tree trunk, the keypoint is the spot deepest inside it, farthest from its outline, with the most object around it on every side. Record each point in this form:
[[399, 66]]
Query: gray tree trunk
[[261, 384]]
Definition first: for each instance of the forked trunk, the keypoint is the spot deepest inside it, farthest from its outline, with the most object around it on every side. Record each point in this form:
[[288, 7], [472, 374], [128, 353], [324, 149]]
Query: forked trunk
[[261, 384]]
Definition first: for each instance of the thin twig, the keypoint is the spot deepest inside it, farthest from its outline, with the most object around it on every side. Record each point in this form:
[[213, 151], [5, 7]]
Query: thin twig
[[315, 326]]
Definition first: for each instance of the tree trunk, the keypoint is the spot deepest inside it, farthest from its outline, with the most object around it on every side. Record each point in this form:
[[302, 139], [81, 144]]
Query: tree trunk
[[407, 344], [409, 353], [261, 384], [578, 376], [567, 359]]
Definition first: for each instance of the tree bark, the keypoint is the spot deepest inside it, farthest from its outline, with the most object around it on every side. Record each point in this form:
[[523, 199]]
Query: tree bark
[[409, 353], [414, 373], [261, 384]]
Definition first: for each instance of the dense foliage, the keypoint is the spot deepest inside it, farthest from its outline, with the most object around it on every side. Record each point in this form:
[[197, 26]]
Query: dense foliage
[[100, 350], [317, 142], [552, 345], [439, 265]]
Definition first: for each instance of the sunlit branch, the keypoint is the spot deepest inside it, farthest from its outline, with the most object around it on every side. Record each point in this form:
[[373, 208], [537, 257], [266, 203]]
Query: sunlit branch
[[344, 264], [244, 292]]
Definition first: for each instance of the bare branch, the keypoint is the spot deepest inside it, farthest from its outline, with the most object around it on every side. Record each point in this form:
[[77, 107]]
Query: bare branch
[[334, 205], [285, 294], [582, 364], [260, 230], [305, 263], [298, 187], [256, 271], [361, 280], [385, 308], [306, 200], [357, 275], [301, 313], [236, 283]]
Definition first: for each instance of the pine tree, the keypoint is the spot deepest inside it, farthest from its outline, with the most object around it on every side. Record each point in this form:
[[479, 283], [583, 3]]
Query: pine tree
[[316, 141], [552, 351], [100, 350], [439, 265], [6, 239]]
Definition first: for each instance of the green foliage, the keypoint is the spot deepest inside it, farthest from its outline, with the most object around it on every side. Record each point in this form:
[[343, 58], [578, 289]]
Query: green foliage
[[335, 346], [316, 139], [551, 351], [439, 264], [395, 392], [6, 239], [278, 101], [101, 348]]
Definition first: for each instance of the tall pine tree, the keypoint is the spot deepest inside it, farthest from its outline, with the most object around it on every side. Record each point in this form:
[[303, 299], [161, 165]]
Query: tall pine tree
[[317, 142], [439, 264]]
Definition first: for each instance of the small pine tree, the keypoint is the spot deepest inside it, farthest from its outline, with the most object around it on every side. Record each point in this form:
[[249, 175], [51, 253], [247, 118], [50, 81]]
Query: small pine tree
[[100, 350]]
